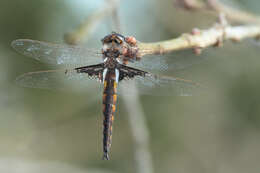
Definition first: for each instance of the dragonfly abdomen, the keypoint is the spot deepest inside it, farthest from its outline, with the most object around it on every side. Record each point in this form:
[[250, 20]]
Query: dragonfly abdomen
[[109, 108]]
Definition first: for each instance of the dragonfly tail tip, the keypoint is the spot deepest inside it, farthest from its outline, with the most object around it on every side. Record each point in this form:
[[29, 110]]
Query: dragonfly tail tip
[[105, 156]]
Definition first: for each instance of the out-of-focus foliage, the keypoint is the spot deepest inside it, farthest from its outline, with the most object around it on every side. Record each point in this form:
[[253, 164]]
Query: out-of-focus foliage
[[217, 131]]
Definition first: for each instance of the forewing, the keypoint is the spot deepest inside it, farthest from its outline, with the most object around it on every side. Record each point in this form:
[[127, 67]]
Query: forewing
[[56, 53], [151, 84], [59, 79]]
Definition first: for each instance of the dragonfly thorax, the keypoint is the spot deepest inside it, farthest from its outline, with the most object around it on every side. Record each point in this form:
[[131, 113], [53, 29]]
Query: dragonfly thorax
[[111, 62]]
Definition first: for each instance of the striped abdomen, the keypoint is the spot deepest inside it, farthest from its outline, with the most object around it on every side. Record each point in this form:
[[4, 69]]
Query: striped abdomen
[[109, 107]]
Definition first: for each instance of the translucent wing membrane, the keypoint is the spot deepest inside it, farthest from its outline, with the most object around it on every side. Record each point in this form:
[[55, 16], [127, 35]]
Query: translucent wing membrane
[[58, 80], [173, 61], [151, 62], [72, 79], [56, 53], [161, 85]]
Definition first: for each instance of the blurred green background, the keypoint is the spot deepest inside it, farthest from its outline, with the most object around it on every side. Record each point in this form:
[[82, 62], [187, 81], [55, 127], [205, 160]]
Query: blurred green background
[[49, 131]]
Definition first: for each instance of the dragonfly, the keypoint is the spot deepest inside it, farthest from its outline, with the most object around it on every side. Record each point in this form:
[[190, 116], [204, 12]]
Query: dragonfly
[[114, 67]]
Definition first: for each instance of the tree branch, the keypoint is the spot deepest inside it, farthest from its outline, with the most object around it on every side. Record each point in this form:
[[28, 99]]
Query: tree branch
[[200, 39], [215, 6]]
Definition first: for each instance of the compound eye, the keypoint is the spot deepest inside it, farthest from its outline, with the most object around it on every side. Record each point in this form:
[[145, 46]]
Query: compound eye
[[106, 39], [118, 41]]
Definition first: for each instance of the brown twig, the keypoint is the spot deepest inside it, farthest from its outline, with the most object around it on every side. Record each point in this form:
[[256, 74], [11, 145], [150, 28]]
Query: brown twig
[[232, 14], [189, 4], [200, 39]]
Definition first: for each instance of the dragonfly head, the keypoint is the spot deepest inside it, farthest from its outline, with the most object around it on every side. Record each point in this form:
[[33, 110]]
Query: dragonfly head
[[113, 38], [120, 47], [113, 45]]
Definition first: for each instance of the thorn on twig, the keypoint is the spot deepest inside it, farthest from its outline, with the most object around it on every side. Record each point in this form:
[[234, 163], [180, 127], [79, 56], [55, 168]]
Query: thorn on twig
[[257, 38], [187, 4], [212, 4], [197, 50], [195, 31], [219, 42], [222, 23], [161, 50], [222, 20], [235, 40]]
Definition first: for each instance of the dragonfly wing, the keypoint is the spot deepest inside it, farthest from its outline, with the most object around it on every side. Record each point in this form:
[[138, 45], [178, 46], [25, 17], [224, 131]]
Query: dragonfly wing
[[56, 53], [83, 77], [152, 62], [172, 61], [150, 84]]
